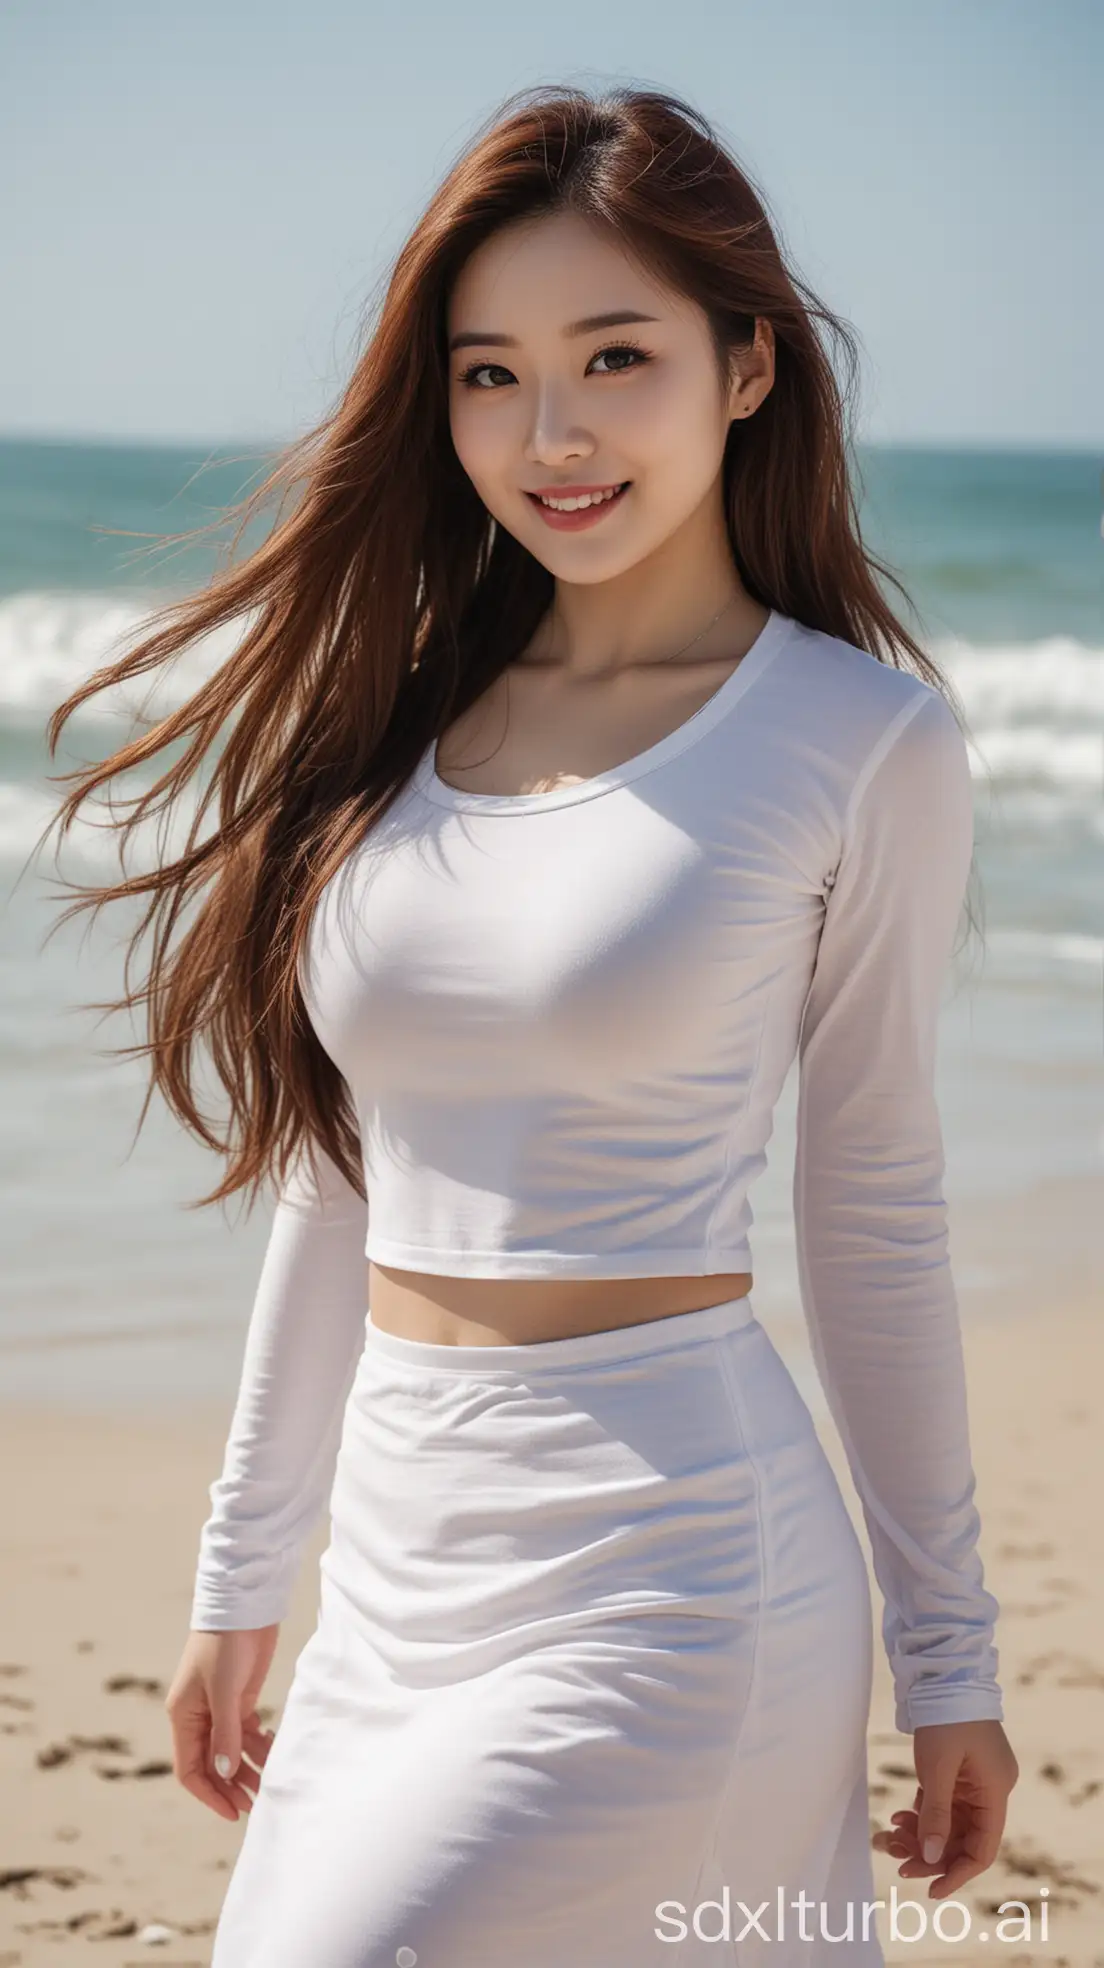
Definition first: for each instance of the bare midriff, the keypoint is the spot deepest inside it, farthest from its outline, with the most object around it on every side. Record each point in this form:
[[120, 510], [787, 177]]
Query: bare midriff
[[448, 1311]]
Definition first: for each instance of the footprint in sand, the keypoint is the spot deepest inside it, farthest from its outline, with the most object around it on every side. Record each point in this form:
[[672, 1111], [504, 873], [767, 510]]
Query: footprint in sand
[[21, 1706], [1062, 1670], [55, 1754], [94, 1925], [1026, 1863], [144, 1684], [158, 1768], [17, 1879], [1035, 1608]]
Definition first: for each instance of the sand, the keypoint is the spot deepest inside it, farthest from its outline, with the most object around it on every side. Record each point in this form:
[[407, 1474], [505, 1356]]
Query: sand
[[98, 1842]]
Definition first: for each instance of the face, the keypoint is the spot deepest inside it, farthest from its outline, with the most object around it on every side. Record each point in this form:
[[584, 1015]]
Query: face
[[573, 374]]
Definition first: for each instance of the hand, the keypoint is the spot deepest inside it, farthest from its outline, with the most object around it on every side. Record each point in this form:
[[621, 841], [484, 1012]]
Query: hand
[[966, 1772], [212, 1709]]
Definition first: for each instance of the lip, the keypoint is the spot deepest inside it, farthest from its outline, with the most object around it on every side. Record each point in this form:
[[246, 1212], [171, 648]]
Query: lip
[[574, 522]]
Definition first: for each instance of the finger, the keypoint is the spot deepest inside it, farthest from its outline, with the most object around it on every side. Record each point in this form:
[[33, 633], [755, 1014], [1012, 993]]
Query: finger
[[968, 1857], [918, 1867], [202, 1788], [189, 1769], [936, 1824], [236, 1791], [962, 1870], [890, 1841], [228, 1799], [899, 1843], [987, 1830], [257, 1744], [241, 1787], [903, 1833]]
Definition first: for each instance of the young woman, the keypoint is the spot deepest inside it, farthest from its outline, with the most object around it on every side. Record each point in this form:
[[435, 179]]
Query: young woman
[[574, 776]]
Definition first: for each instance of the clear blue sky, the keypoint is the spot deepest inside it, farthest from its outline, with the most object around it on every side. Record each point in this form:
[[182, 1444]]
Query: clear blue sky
[[202, 194]]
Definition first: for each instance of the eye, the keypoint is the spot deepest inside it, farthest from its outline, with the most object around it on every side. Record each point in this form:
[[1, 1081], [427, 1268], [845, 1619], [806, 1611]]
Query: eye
[[474, 369], [471, 377], [632, 349]]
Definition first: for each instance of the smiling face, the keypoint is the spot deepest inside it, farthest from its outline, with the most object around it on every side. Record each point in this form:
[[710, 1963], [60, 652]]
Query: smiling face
[[575, 375]]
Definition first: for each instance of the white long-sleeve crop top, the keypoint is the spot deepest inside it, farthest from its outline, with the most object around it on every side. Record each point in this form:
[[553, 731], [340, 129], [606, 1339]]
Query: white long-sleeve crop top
[[564, 1019]]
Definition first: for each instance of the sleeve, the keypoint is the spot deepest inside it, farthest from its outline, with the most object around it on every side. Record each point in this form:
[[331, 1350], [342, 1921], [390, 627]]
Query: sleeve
[[305, 1337], [870, 1215]]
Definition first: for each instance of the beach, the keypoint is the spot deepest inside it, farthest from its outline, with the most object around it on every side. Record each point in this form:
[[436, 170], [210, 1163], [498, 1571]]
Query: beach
[[101, 1844]]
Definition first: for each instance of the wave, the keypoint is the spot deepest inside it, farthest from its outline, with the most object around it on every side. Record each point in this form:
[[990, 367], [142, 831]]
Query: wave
[[1048, 946], [28, 841], [50, 643], [1032, 753], [92, 849], [1004, 682], [1035, 711]]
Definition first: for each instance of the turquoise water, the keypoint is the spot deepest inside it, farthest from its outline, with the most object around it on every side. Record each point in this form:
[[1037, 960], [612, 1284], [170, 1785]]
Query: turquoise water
[[993, 546], [114, 1285]]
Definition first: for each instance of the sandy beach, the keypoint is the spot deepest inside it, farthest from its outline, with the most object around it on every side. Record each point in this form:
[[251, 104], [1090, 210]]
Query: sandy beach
[[99, 1843]]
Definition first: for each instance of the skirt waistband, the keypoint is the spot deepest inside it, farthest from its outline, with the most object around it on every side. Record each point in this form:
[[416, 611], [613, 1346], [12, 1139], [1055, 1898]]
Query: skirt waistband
[[667, 1333]]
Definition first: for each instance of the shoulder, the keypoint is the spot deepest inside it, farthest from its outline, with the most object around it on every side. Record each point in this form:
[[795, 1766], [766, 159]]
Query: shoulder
[[861, 708], [840, 673]]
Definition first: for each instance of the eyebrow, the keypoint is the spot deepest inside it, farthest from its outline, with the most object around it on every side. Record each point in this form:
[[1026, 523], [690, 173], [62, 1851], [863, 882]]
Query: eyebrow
[[619, 318]]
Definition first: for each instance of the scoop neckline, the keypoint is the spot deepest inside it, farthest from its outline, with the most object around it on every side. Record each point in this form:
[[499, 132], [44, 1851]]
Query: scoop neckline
[[775, 632]]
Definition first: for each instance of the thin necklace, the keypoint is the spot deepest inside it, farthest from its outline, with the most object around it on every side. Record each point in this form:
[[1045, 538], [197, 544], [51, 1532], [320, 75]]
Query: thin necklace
[[731, 603], [667, 659], [703, 632]]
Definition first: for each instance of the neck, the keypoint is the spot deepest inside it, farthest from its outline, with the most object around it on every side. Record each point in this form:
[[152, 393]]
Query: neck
[[644, 615]]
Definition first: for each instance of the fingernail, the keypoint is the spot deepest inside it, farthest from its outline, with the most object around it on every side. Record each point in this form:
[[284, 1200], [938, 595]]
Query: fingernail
[[933, 1850], [224, 1766]]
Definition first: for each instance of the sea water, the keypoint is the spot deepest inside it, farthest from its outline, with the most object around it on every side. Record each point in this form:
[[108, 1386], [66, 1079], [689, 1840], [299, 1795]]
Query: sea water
[[114, 1289]]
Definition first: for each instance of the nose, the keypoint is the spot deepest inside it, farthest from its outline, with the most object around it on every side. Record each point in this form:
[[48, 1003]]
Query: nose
[[555, 437]]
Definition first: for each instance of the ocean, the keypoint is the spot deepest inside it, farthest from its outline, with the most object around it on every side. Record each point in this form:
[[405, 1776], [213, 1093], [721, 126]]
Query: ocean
[[116, 1291]]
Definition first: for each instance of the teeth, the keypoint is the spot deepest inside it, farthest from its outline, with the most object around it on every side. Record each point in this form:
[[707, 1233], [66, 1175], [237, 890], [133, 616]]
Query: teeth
[[580, 504]]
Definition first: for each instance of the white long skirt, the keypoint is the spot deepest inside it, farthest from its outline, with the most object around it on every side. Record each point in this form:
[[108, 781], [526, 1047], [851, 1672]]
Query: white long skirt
[[591, 1677]]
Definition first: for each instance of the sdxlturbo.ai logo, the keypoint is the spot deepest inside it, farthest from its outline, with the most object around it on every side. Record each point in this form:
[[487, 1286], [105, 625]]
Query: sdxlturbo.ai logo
[[908, 1920]]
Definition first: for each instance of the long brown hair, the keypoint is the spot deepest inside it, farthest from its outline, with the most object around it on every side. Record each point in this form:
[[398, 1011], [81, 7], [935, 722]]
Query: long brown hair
[[383, 600]]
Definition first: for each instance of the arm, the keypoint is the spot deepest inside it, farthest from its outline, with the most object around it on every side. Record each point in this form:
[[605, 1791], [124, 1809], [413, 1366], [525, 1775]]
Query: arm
[[303, 1345], [870, 1215]]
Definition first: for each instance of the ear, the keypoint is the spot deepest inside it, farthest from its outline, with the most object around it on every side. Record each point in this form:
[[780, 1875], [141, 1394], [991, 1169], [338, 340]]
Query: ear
[[736, 407], [744, 394]]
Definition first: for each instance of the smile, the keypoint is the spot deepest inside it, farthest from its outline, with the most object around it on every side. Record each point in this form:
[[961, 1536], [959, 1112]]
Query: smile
[[579, 506]]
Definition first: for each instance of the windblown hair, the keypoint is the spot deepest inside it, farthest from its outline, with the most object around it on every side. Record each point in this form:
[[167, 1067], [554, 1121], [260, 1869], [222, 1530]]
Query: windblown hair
[[383, 600]]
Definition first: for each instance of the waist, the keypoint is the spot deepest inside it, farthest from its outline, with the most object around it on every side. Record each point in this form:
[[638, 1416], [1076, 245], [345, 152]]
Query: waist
[[602, 1345], [451, 1312]]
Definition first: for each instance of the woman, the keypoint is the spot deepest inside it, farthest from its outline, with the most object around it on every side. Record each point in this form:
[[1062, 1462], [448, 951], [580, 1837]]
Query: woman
[[580, 778]]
